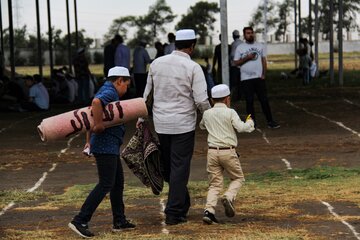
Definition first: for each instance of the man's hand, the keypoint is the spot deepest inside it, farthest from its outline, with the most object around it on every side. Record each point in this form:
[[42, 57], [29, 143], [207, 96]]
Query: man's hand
[[251, 56]]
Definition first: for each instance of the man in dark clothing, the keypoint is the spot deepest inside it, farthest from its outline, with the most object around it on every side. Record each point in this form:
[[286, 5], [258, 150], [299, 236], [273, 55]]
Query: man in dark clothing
[[109, 54]]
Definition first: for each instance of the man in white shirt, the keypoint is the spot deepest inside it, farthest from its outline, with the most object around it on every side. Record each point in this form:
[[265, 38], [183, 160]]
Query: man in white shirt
[[179, 87], [251, 57], [38, 95]]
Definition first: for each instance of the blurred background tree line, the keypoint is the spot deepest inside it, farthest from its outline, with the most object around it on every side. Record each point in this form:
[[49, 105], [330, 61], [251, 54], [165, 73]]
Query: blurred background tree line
[[200, 17]]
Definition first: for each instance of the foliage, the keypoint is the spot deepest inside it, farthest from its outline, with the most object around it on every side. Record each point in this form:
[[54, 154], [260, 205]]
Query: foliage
[[120, 26], [145, 27], [257, 21], [350, 11], [200, 17], [22, 39], [284, 21]]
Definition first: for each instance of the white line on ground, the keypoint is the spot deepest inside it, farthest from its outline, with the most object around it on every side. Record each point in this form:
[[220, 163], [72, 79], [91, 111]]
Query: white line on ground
[[340, 124], [10, 205], [287, 163], [42, 179], [68, 144], [163, 224], [331, 210], [351, 102], [263, 135], [17, 122]]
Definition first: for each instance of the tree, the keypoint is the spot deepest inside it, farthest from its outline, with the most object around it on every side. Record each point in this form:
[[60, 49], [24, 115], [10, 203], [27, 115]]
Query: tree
[[120, 26], [257, 21], [284, 9], [159, 14], [200, 17], [146, 27], [350, 9]]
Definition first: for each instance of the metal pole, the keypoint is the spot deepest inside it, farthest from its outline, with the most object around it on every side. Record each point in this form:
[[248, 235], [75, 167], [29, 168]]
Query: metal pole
[[316, 32], [296, 32], [224, 43], [331, 43], [50, 39], [11, 41], [341, 13], [69, 35], [76, 26], [39, 38], [310, 21], [1, 33], [265, 23], [300, 27]]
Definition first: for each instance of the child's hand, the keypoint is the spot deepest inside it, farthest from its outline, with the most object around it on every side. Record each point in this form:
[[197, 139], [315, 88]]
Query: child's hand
[[86, 150]]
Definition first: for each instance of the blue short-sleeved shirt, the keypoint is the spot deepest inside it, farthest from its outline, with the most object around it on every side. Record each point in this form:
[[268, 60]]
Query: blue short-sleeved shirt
[[110, 140]]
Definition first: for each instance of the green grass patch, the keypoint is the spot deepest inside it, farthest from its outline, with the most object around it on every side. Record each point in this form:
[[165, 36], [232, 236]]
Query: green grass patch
[[18, 196]]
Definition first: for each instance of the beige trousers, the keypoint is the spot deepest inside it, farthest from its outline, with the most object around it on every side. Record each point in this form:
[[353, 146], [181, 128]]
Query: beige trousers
[[217, 162]]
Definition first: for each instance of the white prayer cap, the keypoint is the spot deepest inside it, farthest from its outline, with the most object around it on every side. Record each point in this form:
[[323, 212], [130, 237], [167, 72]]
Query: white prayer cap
[[220, 91], [119, 72], [185, 34]]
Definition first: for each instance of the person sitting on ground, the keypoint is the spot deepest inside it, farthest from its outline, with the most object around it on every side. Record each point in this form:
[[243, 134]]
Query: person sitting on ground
[[38, 95], [221, 122]]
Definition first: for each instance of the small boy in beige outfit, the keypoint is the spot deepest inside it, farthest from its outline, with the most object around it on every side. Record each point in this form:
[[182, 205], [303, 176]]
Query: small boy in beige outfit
[[221, 122]]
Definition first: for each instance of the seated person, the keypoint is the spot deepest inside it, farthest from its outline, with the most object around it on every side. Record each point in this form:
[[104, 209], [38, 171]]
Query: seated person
[[38, 94]]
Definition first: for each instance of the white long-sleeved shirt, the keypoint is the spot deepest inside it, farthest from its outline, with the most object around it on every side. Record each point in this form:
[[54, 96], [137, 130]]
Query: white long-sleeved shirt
[[179, 90], [221, 123]]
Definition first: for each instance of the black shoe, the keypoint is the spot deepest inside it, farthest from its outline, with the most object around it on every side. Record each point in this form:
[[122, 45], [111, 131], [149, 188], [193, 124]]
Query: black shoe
[[81, 229], [123, 226], [229, 207], [273, 125], [209, 218], [171, 220]]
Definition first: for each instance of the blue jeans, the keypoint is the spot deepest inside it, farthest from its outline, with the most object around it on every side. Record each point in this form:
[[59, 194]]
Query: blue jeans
[[111, 179]]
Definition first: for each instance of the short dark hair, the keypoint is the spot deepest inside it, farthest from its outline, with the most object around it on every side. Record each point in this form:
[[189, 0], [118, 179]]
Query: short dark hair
[[118, 38], [247, 28], [219, 99], [184, 44], [171, 37], [37, 78], [114, 78]]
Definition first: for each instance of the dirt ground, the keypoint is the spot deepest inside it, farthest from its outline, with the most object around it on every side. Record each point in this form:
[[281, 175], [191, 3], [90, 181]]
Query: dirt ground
[[310, 135]]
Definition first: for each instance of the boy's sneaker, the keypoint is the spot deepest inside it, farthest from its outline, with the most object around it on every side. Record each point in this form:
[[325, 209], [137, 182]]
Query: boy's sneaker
[[123, 226], [209, 218], [273, 125], [229, 207], [81, 229]]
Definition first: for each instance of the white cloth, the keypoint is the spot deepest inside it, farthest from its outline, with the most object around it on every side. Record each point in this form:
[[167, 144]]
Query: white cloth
[[253, 68], [221, 123], [179, 90], [313, 69], [40, 95]]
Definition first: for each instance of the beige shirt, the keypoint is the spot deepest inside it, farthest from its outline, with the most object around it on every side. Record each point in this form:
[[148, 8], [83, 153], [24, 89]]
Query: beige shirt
[[179, 90], [221, 123]]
